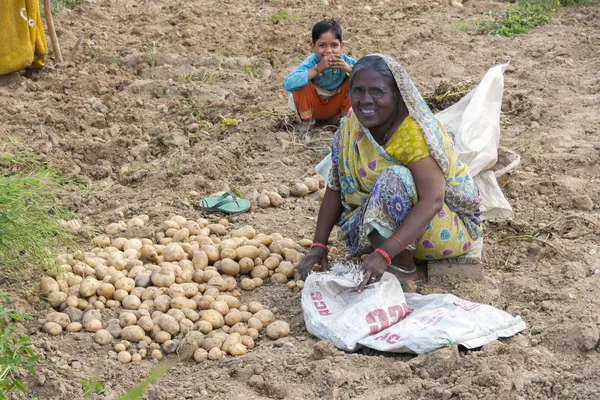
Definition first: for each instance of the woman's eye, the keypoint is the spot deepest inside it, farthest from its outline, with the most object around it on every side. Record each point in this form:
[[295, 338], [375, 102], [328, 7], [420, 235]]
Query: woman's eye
[[376, 91]]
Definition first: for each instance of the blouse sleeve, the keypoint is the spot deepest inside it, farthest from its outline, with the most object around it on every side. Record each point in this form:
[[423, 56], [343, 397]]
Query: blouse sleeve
[[408, 144]]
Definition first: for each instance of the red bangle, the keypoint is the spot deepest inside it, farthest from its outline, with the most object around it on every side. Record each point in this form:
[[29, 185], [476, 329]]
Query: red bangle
[[385, 255], [398, 240], [321, 245]]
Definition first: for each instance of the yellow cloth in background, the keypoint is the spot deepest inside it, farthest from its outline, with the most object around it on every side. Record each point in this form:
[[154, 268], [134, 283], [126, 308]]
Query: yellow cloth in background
[[22, 38]]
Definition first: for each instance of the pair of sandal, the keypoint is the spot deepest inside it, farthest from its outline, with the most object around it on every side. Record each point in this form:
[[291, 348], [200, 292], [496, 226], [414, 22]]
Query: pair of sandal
[[227, 203]]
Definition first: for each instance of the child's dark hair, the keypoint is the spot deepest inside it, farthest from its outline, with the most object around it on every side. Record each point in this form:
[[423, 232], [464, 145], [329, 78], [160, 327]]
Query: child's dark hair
[[327, 25]]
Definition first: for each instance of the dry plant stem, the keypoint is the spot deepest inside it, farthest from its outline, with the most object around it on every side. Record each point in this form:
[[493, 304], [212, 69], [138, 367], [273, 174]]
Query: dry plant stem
[[568, 217], [52, 32], [529, 238]]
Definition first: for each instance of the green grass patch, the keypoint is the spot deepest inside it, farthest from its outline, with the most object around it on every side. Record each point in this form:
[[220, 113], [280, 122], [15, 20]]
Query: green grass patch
[[31, 232], [522, 16], [59, 7]]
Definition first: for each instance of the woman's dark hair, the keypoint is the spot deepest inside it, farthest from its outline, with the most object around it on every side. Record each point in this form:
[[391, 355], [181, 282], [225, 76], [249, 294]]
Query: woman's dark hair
[[327, 25], [378, 64]]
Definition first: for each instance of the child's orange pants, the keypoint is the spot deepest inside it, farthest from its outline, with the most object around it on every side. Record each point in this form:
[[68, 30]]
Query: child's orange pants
[[310, 105]]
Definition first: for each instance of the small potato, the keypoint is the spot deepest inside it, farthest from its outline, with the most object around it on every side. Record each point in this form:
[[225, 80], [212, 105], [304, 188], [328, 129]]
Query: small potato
[[299, 190], [133, 333], [264, 201], [52, 328], [213, 292], [169, 324], [253, 333], [245, 231], [279, 279], [211, 252], [176, 290], [260, 271], [61, 319], [228, 253], [311, 184], [190, 314], [131, 302], [275, 199], [177, 314], [127, 319], [271, 262], [233, 318], [248, 284], [291, 284], [246, 315], [200, 355], [214, 317], [120, 294], [200, 260], [106, 290], [215, 353], [205, 302], [217, 229], [74, 327], [240, 328], [145, 323], [162, 303], [219, 283], [285, 268], [181, 235], [102, 337], [156, 354], [278, 329], [300, 284], [255, 323], [246, 251], [220, 306], [246, 264], [136, 357], [265, 316], [258, 281], [93, 325], [170, 346], [248, 341], [230, 341], [124, 357], [255, 307], [238, 349], [119, 347], [204, 326], [162, 337]]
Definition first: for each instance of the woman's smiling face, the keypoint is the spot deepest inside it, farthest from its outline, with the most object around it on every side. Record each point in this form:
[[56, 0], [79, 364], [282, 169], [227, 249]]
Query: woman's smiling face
[[372, 99]]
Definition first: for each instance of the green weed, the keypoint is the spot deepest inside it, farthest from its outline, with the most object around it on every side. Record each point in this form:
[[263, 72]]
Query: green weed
[[227, 123], [16, 353], [281, 16], [138, 391], [30, 214], [59, 7], [90, 388], [253, 71], [210, 78]]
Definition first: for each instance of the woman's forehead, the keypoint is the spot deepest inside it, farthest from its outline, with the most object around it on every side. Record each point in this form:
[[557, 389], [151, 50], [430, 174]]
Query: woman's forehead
[[369, 76]]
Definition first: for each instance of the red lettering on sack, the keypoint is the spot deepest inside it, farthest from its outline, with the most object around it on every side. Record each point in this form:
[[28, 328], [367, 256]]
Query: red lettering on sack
[[316, 296], [466, 305], [379, 320], [389, 338], [321, 306]]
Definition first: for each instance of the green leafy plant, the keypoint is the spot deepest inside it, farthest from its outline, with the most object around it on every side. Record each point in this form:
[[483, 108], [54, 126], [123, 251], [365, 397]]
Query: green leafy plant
[[227, 123], [31, 214], [281, 16], [91, 388], [252, 71], [138, 391], [16, 353]]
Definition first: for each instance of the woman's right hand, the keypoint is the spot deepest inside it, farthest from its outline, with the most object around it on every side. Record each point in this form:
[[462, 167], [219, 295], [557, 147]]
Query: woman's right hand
[[317, 255]]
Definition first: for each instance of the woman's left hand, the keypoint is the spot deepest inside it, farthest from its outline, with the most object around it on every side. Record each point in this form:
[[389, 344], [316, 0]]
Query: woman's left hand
[[373, 267]]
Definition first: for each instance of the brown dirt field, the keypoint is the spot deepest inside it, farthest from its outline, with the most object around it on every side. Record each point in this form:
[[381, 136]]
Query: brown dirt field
[[136, 112]]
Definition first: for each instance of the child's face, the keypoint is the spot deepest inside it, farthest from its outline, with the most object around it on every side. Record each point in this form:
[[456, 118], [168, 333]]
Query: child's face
[[326, 45]]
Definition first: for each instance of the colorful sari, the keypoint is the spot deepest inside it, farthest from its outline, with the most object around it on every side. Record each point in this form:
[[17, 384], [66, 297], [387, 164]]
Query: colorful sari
[[378, 190]]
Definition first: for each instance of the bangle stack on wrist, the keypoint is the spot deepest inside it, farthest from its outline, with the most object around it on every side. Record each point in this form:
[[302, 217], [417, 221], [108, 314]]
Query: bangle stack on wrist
[[317, 70], [385, 255]]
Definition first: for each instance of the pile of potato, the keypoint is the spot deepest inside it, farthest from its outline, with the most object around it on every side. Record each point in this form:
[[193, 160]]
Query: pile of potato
[[176, 293]]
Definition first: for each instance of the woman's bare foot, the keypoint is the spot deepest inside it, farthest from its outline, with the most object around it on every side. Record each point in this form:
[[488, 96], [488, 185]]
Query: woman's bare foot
[[403, 267]]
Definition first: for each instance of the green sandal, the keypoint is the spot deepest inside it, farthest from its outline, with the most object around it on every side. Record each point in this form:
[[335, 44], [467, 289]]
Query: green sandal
[[227, 203]]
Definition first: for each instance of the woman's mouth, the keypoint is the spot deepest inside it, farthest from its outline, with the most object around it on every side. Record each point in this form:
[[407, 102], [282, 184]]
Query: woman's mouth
[[367, 111]]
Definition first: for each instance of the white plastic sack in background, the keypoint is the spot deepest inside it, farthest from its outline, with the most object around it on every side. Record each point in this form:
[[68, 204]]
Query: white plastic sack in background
[[382, 318], [474, 123]]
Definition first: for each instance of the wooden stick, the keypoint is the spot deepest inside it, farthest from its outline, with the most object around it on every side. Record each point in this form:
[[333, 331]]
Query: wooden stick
[[52, 31]]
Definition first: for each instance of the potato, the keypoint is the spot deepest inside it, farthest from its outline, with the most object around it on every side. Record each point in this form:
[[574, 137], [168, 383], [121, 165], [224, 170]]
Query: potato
[[156, 354], [260, 271], [230, 341], [246, 231], [238, 349], [181, 235], [162, 303], [250, 252], [246, 264], [52, 328], [198, 276], [264, 201], [168, 324], [200, 259], [215, 353], [55, 299], [48, 285], [173, 252], [275, 199], [120, 294], [205, 302], [255, 323], [176, 290], [253, 333], [204, 326], [74, 327], [233, 318], [162, 337], [271, 262], [255, 306], [240, 328], [145, 323], [230, 267], [264, 316], [93, 325], [132, 244], [285, 268], [200, 355], [127, 319], [182, 302], [106, 290], [209, 274], [88, 287], [279, 279], [300, 284], [124, 357], [232, 302], [102, 337], [228, 253], [189, 289], [291, 284], [311, 184], [82, 303], [258, 282], [177, 314], [179, 220], [211, 252], [246, 315], [59, 318], [170, 346], [278, 329], [133, 333], [131, 302], [248, 284], [163, 277], [219, 283], [299, 190], [214, 317], [220, 306], [213, 292], [292, 255]]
